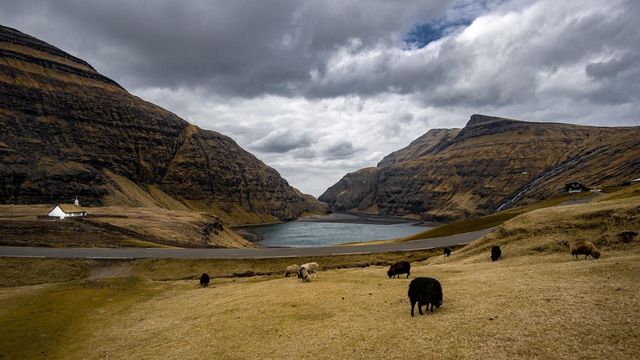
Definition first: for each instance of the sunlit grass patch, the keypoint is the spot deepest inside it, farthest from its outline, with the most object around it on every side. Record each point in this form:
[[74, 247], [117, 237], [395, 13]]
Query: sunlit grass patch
[[39, 320], [485, 222]]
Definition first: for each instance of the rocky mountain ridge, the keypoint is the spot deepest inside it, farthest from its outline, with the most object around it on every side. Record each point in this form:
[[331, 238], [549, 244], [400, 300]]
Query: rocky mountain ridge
[[68, 131], [491, 163]]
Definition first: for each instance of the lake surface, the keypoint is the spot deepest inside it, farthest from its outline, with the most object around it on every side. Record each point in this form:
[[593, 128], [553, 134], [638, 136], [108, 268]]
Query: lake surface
[[310, 234]]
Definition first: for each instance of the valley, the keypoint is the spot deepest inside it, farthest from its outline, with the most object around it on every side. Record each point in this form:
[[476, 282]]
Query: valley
[[351, 312], [115, 212]]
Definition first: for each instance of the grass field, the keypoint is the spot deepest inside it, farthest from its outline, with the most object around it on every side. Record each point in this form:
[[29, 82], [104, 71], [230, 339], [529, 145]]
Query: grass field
[[485, 222], [20, 272], [547, 307], [535, 302], [115, 226]]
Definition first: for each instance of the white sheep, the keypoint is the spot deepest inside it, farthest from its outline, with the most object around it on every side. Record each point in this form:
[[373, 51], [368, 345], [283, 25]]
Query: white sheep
[[291, 269], [306, 270]]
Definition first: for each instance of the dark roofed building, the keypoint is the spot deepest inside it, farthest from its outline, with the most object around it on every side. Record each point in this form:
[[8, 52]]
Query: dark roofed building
[[575, 187]]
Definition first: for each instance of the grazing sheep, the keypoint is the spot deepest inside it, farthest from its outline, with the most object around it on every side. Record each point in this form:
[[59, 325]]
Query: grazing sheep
[[308, 269], [495, 253], [585, 248], [447, 252], [291, 269], [425, 291], [401, 267], [627, 236], [204, 280]]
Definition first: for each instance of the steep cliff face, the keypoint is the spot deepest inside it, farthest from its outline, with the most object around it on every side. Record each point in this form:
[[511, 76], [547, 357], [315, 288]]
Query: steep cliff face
[[491, 162], [356, 191], [68, 131], [432, 140]]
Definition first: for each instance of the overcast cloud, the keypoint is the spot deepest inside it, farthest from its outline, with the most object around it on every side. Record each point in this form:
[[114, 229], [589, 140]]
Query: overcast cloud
[[320, 88]]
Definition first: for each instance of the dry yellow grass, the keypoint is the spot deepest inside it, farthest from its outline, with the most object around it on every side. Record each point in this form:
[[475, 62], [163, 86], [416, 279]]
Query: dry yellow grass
[[115, 226], [552, 229], [549, 307], [536, 302], [124, 192], [178, 228], [19, 272], [623, 192]]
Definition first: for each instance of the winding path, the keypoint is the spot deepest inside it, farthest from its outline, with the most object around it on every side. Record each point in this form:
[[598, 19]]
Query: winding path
[[156, 253]]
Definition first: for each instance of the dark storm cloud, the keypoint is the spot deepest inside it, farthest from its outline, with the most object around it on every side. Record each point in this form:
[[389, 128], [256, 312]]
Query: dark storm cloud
[[238, 47], [325, 49], [327, 87], [500, 60], [340, 150]]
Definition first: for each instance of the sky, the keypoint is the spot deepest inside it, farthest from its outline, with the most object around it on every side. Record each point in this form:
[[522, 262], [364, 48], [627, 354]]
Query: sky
[[317, 89]]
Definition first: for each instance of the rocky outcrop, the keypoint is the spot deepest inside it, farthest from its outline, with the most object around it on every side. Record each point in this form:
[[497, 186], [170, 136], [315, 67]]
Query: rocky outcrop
[[68, 131], [433, 140], [452, 174], [356, 191]]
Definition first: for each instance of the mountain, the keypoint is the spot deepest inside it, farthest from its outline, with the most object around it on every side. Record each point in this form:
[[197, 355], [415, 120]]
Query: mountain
[[491, 163], [67, 131], [420, 146]]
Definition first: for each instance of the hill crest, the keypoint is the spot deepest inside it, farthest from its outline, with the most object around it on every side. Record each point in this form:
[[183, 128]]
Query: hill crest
[[69, 131], [449, 174]]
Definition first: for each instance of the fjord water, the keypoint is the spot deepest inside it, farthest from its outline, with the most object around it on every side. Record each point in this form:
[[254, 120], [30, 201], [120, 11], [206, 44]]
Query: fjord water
[[309, 234]]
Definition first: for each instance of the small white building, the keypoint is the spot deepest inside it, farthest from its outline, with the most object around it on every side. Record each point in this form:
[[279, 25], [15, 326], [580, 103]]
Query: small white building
[[67, 210]]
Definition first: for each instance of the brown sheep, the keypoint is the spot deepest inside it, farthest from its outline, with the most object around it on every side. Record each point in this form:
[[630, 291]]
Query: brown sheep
[[585, 248], [291, 270]]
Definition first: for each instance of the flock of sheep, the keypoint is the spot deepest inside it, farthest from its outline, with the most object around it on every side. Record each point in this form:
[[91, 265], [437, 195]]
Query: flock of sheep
[[424, 291]]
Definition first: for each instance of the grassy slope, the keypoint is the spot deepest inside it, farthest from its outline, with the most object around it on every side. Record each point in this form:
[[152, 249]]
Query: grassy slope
[[50, 321], [485, 222], [113, 227], [20, 272], [535, 302], [125, 193], [622, 192], [551, 230], [505, 310]]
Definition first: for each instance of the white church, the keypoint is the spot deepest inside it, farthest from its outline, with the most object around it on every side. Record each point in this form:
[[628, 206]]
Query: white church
[[67, 210]]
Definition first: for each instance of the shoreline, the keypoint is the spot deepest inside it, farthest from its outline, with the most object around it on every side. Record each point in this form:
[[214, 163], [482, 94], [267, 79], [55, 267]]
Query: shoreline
[[253, 234], [359, 218]]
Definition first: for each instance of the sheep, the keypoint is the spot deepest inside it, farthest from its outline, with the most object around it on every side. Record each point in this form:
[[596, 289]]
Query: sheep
[[447, 252], [495, 253], [425, 291], [204, 280], [401, 267], [627, 236], [585, 248], [291, 269], [306, 270]]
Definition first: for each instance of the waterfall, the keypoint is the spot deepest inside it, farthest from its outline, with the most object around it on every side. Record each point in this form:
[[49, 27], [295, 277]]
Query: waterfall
[[530, 185]]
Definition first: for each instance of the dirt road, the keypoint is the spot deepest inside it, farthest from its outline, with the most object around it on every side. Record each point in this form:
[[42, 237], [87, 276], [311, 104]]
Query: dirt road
[[179, 253]]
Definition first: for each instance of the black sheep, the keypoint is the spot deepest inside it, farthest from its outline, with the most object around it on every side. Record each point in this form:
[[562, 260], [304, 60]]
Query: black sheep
[[204, 280], [401, 267], [425, 291], [627, 236], [495, 253], [447, 252]]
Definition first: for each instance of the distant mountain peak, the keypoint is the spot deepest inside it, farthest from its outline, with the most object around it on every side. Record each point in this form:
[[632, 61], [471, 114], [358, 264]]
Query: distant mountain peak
[[451, 173], [483, 120]]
